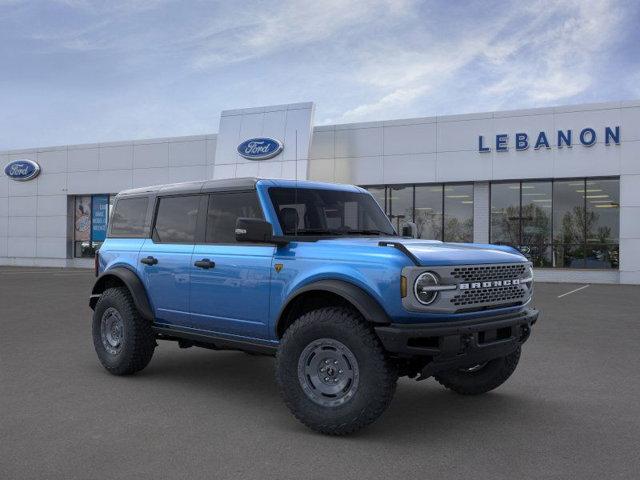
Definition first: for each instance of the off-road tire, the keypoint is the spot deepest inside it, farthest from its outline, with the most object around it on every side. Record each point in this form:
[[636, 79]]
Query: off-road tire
[[377, 374], [138, 341], [487, 378]]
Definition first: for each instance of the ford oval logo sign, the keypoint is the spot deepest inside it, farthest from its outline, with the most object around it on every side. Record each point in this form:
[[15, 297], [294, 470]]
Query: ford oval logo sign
[[22, 170], [260, 148]]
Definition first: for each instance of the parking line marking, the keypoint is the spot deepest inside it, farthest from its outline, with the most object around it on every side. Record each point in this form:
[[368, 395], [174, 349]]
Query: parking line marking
[[573, 291]]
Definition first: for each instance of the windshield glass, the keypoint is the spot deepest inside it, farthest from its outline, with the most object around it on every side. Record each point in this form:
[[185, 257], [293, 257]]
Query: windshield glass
[[306, 211]]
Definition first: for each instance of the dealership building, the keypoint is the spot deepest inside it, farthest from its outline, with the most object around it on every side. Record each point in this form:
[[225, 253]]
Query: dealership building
[[562, 184]]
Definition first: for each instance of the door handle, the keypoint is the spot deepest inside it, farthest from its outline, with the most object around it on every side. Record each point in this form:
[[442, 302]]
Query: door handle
[[205, 263], [149, 260]]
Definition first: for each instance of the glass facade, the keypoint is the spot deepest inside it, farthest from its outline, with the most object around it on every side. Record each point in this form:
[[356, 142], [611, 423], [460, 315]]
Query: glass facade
[[440, 211], [561, 223], [90, 222]]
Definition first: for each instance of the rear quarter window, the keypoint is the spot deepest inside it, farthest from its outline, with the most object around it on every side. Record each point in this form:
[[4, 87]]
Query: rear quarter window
[[128, 217]]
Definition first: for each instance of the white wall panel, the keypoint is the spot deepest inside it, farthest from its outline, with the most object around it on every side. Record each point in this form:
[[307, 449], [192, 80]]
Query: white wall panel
[[105, 181], [322, 170], [420, 138], [144, 177], [187, 174], [117, 157], [21, 246], [22, 227], [52, 183], [412, 168], [51, 247], [151, 155], [361, 171], [83, 159], [463, 166], [51, 205], [52, 161], [630, 157], [22, 206], [52, 226], [359, 142], [322, 144], [187, 153]]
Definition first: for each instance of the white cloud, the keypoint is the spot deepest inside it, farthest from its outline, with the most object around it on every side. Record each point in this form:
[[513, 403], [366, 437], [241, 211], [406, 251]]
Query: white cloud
[[543, 52]]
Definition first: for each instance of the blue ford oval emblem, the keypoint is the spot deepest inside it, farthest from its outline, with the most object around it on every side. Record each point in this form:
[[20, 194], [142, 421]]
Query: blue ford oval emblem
[[22, 170], [260, 148]]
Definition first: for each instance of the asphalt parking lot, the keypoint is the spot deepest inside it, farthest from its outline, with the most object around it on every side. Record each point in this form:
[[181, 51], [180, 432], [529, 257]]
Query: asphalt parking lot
[[571, 410]]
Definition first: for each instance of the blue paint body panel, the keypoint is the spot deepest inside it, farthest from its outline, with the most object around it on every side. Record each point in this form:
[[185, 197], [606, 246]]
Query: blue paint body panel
[[243, 295]]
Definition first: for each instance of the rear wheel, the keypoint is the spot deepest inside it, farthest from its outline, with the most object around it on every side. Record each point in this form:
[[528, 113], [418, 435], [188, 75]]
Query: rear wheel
[[122, 339], [333, 373], [481, 378]]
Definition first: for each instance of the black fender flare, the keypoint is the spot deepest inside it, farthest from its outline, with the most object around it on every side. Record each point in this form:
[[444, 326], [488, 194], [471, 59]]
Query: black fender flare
[[366, 305], [133, 284]]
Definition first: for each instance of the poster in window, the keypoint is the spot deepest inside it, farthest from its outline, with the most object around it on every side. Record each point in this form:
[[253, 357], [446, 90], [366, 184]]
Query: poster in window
[[99, 216], [82, 229]]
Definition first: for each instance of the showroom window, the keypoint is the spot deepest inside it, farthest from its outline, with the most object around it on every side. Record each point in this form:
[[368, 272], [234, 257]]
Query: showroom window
[[440, 212], [91, 219], [562, 223]]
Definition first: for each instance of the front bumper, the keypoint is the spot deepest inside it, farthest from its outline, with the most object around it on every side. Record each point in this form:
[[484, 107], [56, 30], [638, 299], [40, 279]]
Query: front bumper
[[452, 345]]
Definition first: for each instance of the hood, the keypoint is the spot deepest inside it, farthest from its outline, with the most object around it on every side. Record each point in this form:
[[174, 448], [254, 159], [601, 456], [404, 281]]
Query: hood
[[433, 252]]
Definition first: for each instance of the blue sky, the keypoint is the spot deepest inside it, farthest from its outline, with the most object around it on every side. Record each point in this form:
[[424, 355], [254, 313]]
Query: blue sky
[[76, 71]]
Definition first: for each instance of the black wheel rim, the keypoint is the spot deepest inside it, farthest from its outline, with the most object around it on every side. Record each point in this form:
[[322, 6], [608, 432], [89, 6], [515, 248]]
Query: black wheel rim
[[328, 372], [112, 330]]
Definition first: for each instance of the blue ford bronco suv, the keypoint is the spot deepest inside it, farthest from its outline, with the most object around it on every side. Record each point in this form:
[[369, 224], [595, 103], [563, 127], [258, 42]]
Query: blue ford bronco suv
[[314, 274]]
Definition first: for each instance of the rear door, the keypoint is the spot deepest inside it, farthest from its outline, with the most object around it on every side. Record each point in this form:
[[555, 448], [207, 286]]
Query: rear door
[[165, 258], [230, 281]]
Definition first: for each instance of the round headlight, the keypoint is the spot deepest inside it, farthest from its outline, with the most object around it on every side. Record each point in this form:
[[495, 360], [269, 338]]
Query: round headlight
[[422, 290]]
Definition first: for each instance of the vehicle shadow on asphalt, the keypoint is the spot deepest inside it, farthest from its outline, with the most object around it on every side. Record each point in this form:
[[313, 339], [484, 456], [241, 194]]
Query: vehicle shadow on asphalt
[[245, 384]]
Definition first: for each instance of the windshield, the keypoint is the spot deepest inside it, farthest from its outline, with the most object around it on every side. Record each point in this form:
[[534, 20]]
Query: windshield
[[306, 211]]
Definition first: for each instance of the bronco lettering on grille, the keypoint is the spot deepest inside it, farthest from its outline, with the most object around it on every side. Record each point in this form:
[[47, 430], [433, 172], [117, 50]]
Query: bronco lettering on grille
[[493, 283]]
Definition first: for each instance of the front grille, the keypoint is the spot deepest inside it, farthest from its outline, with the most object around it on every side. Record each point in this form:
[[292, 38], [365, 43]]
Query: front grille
[[511, 293], [481, 273]]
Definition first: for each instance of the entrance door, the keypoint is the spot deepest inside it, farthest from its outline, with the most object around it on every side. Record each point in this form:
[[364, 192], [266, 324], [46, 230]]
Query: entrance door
[[165, 259], [230, 282]]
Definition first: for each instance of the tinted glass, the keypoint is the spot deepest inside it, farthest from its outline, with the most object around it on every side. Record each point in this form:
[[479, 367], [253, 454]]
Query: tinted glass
[[378, 194], [505, 213], [428, 211], [536, 222], [128, 217], [603, 223], [603, 211], [224, 209], [176, 220], [569, 223], [328, 212], [400, 204], [458, 213]]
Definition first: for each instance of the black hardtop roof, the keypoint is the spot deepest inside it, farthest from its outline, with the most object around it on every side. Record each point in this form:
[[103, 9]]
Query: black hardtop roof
[[200, 186]]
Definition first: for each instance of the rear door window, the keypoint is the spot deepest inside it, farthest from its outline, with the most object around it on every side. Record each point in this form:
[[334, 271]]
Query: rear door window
[[128, 217], [176, 219], [224, 209]]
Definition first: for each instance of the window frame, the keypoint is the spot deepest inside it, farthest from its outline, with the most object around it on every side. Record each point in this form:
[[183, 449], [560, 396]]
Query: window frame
[[145, 232], [197, 231], [204, 219], [553, 243]]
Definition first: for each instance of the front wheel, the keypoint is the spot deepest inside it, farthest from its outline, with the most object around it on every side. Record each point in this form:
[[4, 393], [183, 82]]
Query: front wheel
[[333, 372], [480, 378]]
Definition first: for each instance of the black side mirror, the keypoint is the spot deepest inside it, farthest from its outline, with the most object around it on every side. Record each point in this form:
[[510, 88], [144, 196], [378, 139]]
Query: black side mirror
[[253, 230]]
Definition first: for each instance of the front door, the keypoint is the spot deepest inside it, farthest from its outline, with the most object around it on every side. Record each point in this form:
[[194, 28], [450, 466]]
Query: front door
[[165, 259], [230, 282]]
